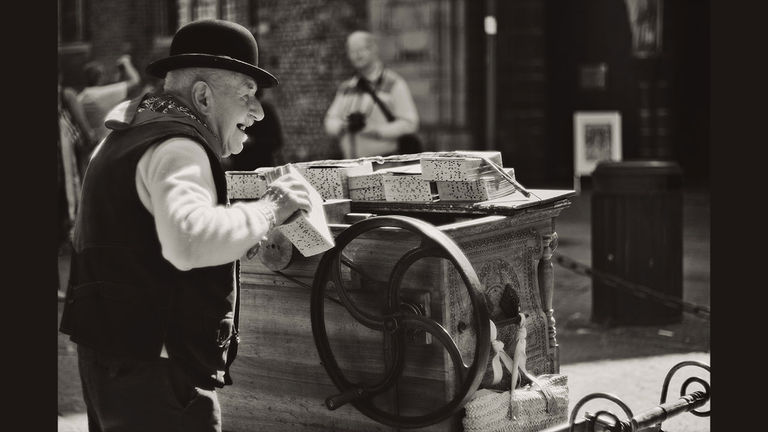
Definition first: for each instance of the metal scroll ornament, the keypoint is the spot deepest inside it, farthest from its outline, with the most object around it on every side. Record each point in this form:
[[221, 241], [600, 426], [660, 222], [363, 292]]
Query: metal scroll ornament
[[649, 420], [396, 321]]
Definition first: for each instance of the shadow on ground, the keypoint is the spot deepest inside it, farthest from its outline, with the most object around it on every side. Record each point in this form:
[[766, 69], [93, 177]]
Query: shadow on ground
[[581, 340]]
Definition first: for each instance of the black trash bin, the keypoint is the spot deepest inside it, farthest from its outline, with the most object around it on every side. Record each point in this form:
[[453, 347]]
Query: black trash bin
[[637, 236]]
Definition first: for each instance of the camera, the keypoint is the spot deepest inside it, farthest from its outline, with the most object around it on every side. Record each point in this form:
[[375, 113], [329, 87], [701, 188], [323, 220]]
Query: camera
[[356, 122]]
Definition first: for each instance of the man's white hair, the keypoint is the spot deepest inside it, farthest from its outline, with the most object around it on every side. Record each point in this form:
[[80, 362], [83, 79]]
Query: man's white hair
[[179, 80]]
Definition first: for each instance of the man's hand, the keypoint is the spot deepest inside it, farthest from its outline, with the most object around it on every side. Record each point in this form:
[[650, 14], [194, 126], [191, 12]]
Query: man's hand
[[287, 194], [124, 60]]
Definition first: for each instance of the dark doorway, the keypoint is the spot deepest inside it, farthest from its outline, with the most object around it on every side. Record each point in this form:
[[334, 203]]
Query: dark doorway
[[553, 58], [518, 57], [589, 59], [595, 62]]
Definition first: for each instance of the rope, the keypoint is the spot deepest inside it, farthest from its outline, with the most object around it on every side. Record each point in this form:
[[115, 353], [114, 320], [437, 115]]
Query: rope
[[635, 289], [638, 290], [305, 285], [344, 260]]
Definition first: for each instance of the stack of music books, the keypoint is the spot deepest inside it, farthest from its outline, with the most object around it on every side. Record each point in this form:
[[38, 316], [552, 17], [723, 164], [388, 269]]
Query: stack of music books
[[488, 186], [459, 165], [330, 179], [308, 231]]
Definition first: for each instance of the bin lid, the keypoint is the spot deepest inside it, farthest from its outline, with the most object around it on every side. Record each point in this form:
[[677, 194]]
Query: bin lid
[[637, 176], [637, 167]]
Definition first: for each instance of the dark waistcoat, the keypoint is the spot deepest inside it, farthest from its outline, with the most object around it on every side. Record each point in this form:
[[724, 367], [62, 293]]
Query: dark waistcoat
[[124, 299]]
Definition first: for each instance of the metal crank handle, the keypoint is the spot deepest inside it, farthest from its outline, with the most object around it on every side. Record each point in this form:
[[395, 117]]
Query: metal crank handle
[[601, 421], [645, 421], [604, 422], [658, 414], [350, 395]]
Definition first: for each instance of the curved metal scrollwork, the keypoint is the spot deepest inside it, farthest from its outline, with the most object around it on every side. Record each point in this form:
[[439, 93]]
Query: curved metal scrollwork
[[650, 419], [600, 414], [686, 383], [399, 318]]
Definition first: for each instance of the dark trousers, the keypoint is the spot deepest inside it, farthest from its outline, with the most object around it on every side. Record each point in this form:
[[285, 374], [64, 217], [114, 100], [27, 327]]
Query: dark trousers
[[123, 395]]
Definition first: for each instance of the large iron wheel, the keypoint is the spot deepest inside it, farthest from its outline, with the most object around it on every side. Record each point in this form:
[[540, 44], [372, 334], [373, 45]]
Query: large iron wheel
[[396, 320]]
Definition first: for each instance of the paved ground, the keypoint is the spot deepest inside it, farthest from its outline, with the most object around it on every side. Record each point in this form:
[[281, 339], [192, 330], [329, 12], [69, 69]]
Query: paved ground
[[637, 382], [630, 361]]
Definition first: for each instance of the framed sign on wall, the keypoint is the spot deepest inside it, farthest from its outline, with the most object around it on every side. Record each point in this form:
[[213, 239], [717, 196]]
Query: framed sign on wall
[[596, 137]]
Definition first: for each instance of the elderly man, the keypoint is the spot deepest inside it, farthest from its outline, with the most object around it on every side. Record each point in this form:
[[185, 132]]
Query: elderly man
[[360, 124], [153, 297]]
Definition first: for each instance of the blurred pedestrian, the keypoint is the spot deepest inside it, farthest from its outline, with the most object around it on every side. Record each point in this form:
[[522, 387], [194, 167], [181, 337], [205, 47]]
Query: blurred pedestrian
[[153, 299], [99, 95], [75, 139], [374, 109]]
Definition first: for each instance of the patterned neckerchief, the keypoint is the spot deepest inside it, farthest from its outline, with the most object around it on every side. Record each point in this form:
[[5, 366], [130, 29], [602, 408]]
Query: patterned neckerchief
[[166, 103]]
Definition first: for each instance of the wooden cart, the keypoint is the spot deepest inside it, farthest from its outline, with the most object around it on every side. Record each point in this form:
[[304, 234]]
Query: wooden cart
[[280, 383]]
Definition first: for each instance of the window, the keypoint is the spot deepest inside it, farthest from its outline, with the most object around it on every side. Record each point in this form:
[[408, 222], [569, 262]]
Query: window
[[204, 9], [194, 10], [166, 18], [228, 10], [645, 17], [72, 21]]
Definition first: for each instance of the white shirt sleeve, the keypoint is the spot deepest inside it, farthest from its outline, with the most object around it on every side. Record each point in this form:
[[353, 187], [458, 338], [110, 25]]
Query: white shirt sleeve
[[175, 184], [334, 116], [404, 110]]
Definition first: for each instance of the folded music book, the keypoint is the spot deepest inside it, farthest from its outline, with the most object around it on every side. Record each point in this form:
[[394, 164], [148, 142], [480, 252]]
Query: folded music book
[[309, 232]]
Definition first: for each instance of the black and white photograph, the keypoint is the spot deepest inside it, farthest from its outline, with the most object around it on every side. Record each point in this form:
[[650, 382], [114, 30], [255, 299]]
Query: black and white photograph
[[383, 215], [596, 138]]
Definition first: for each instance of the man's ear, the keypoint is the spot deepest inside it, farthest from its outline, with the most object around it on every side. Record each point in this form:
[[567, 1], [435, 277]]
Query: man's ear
[[202, 97]]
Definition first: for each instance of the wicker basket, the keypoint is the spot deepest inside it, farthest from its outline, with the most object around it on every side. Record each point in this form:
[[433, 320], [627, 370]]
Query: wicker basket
[[535, 403]]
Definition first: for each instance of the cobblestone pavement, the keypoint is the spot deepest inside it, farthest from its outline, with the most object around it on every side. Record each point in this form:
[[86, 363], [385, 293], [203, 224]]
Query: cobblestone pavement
[[629, 361]]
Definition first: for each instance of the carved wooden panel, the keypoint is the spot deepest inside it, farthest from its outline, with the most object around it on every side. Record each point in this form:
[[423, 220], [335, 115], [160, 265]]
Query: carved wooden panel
[[503, 261]]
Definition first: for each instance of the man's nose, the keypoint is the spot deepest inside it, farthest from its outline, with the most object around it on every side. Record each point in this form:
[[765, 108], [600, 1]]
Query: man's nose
[[255, 109]]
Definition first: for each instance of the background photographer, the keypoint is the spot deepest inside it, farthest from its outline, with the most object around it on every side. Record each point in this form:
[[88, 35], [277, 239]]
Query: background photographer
[[361, 126]]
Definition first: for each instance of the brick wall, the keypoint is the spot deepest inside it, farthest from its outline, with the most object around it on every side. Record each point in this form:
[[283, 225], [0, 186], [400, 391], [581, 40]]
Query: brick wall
[[117, 27], [423, 40], [120, 27], [303, 43]]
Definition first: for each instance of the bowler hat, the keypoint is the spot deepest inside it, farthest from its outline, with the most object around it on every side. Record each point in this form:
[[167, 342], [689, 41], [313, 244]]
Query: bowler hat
[[215, 44]]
